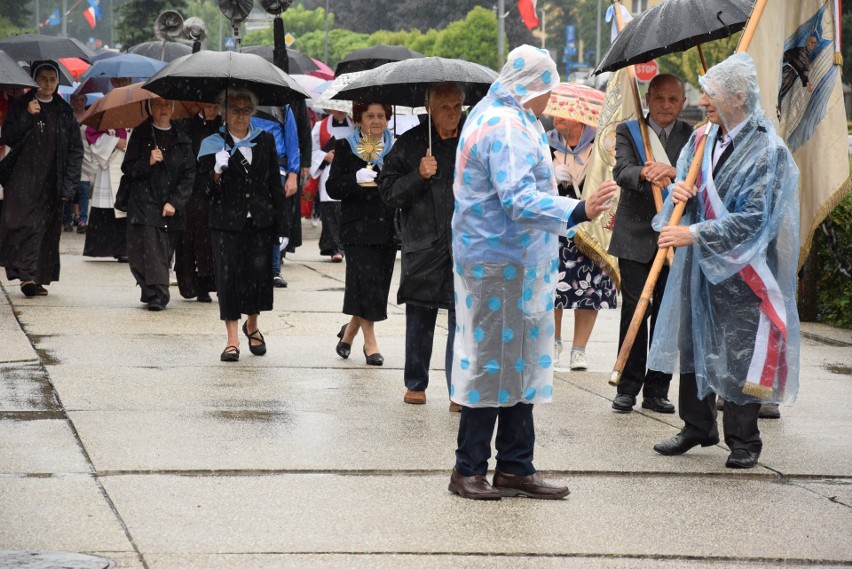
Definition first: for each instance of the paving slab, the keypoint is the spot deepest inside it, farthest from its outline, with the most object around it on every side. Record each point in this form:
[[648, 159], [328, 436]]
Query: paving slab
[[56, 450], [392, 514], [58, 513]]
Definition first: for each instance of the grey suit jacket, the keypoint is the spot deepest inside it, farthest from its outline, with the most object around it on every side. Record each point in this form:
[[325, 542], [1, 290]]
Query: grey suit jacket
[[633, 237]]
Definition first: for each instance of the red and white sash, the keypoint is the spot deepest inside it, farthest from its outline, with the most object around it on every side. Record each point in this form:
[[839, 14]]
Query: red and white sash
[[769, 357]]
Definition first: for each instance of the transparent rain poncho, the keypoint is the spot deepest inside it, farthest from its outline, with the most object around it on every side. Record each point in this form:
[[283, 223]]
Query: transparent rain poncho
[[506, 224], [729, 311]]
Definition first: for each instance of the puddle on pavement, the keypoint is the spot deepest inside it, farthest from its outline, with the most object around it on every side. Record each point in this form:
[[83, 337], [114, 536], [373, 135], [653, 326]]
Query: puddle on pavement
[[27, 387], [263, 411], [839, 369], [825, 341]]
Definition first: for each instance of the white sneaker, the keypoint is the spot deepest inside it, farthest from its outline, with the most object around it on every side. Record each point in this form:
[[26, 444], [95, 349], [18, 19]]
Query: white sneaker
[[314, 222], [557, 350], [578, 361]]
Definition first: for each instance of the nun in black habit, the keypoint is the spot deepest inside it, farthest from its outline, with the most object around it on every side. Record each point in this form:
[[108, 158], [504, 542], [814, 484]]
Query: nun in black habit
[[41, 171], [160, 170]]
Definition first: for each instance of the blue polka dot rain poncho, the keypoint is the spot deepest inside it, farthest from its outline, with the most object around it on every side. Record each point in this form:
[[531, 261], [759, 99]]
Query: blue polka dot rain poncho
[[507, 220]]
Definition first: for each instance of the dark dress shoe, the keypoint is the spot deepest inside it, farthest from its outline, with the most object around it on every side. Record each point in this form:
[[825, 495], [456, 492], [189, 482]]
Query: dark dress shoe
[[531, 486], [681, 443], [623, 403], [29, 288], [259, 349], [156, 305], [769, 411], [658, 404], [343, 349], [204, 297], [374, 359], [472, 487], [742, 458]]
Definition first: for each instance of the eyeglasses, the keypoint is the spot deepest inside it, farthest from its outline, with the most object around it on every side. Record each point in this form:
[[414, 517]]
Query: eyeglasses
[[244, 111]]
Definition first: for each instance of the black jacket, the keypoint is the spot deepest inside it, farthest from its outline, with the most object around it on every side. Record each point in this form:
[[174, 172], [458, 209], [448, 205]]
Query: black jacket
[[69, 145], [633, 237], [365, 219], [198, 129], [240, 190], [426, 213], [153, 186]]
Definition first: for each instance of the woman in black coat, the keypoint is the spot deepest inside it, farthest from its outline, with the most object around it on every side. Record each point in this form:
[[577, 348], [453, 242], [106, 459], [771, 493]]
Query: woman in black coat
[[42, 169], [160, 169], [366, 228], [246, 218]]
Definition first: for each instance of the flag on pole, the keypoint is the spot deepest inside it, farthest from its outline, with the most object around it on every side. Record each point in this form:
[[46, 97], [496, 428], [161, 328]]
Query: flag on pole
[[593, 237], [89, 14], [796, 50], [53, 20], [528, 15]]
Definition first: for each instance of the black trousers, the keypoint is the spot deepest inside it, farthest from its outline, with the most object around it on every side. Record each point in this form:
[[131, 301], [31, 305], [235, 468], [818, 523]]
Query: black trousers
[[739, 422], [635, 376], [515, 439], [419, 338]]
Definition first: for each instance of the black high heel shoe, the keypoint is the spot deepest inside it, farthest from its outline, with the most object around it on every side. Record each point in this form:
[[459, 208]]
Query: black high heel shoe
[[343, 349], [374, 359]]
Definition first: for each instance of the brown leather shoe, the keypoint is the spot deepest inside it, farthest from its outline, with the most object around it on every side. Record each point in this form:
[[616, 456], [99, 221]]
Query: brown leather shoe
[[532, 486], [472, 487], [455, 407], [415, 397]]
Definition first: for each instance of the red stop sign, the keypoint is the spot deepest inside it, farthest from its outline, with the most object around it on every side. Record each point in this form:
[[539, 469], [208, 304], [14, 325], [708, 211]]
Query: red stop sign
[[646, 71]]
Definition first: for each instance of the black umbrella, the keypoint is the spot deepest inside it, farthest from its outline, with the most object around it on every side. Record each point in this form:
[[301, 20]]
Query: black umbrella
[[372, 57], [300, 64], [406, 82], [203, 75], [11, 74], [672, 26], [162, 50], [31, 47]]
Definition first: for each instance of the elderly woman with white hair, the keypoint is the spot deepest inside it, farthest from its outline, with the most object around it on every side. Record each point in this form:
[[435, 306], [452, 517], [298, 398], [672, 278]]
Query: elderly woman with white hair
[[246, 217], [506, 225], [160, 169], [728, 322]]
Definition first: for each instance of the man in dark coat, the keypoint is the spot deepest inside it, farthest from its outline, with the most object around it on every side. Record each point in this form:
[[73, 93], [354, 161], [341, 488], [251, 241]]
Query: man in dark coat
[[42, 169], [418, 180], [634, 241]]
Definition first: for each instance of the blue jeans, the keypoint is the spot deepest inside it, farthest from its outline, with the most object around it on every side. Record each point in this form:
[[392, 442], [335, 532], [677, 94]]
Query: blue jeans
[[515, 440], [419, 336], [81, 198]]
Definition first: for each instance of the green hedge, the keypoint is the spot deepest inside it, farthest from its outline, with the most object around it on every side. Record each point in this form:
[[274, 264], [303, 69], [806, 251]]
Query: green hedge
[[833, 288]]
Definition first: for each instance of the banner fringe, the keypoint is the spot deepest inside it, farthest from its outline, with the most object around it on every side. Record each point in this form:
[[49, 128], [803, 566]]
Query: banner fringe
[[758, 391], [591, 249], [823, 212]]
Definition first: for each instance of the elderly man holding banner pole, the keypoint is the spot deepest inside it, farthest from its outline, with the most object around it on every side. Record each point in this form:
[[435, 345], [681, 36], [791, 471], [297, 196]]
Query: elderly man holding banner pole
[[729, 313]]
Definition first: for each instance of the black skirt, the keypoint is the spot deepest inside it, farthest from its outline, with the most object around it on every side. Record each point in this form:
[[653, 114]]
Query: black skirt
[[242, 264], [369, 269], [106, 235]]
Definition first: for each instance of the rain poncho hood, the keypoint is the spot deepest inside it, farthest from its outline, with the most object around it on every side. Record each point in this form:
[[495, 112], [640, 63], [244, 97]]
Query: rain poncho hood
[[506, 224], [732, 86], [729, 311]]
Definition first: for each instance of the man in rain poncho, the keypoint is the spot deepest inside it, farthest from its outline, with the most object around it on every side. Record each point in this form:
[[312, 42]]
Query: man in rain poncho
[[506, 225], [729, 311]]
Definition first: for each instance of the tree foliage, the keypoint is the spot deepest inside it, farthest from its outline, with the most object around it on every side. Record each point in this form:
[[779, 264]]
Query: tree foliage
[[846, 44], [136, 19], [298, 21], [17, 14], [473, 38]]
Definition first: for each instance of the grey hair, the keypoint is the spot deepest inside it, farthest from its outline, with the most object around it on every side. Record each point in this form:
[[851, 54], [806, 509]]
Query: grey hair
[[447, 88], [236, 93]]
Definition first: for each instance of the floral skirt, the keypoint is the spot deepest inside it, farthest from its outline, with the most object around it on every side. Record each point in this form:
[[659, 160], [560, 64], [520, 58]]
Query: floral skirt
[[582, 284]]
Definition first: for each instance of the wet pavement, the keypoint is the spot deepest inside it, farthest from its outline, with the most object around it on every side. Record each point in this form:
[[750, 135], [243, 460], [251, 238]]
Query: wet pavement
[[123, 436]]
